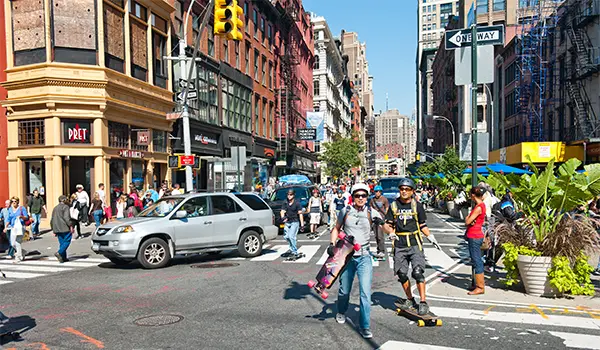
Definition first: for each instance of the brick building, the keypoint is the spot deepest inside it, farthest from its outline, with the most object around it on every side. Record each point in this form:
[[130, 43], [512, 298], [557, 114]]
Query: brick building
[[3, 123]]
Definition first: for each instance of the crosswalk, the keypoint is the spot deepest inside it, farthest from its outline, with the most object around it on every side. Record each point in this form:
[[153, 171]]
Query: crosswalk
[[27, 269]]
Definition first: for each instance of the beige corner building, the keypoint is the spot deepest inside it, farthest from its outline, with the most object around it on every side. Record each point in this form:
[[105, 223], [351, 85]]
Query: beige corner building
[[88, 93]]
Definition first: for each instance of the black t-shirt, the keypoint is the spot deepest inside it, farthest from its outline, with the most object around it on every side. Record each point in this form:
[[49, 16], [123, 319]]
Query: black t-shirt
[[291, 211], [405, 222], [340, 203]]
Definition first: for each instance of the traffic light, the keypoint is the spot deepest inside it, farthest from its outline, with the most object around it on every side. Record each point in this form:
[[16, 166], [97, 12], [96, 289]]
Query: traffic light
[[227, 20]]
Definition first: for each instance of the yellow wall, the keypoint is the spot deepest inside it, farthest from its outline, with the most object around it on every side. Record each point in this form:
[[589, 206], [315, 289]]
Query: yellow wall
[[539, 152]]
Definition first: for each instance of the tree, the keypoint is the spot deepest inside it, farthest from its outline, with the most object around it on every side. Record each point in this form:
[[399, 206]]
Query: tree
[[342, 154], [448, 163]]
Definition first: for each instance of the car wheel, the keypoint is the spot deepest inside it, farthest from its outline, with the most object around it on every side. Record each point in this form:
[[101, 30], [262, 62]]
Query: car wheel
[[154, 253], [119, 261], [250, 244]]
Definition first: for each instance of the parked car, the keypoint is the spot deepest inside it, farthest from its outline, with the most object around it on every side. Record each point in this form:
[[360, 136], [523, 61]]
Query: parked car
[[188, 224], [279, 196]]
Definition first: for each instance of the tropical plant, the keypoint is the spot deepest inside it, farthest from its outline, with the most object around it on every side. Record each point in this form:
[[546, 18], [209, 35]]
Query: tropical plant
[[511, 255], [571, 278]]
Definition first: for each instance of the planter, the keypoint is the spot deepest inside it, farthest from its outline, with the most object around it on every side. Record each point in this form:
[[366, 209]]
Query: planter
[[450, 206], [464, 212], [534, 274]]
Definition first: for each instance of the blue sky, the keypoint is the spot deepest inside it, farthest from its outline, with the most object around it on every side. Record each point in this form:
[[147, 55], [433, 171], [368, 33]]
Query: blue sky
[[389, 29]]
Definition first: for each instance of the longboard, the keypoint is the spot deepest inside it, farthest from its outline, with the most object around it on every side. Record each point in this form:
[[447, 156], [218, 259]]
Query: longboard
[[334, 265], [429, 319]]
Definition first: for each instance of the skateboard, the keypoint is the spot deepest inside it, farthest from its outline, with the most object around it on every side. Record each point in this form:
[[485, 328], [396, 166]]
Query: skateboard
[[333, 266], [430, 319]]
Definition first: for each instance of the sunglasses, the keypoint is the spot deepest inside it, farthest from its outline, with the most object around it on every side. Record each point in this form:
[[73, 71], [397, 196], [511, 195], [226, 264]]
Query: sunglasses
[[14, 201], [290, 195], [405, 189], [361, 196]]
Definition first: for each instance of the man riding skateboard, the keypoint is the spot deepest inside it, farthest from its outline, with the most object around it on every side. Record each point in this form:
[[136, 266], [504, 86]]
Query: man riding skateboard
[[405, 221], [355, 221], [291, 215]]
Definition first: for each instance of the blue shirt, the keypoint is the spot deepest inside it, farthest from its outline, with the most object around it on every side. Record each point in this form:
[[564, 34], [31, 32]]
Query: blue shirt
[[339, 203], [13, 214], [4, 214]]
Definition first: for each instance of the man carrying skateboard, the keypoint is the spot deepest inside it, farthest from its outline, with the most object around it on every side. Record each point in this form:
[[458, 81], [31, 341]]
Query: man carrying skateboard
[[355, 221], [291, 215], [405, 221]]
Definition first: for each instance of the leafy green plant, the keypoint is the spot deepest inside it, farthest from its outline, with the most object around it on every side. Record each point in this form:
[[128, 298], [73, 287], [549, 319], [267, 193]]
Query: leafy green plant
[[511, 255], [342, 154], [574, 280]]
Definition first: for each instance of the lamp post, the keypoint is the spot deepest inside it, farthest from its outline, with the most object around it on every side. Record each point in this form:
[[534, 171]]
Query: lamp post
[[439, 117]]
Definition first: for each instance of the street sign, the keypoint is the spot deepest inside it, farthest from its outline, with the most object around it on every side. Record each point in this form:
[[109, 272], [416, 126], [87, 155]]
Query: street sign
[[482, 147], [490, 35], [485, 65], [192, 95], [186, 160], [307, 134], [182, 83]]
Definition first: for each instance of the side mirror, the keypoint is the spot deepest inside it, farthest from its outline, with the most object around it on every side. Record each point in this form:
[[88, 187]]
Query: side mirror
[[181, 214]]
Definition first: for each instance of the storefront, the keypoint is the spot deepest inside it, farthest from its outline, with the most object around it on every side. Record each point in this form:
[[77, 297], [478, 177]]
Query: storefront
[[299, 161], [263, 161], [539, 153]]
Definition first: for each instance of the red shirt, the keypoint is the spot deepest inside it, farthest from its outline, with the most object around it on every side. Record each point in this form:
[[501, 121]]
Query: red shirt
[[475, 230]]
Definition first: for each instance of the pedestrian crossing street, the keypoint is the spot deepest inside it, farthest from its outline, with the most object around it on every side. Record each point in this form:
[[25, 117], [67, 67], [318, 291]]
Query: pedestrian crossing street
[[27, 269]]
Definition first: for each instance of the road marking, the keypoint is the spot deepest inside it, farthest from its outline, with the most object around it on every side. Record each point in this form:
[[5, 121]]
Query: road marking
[[486, 311], [35, 268], [308, 250], [5, 281], [271, 256], [86, 338], [577, 340], [390, 258], [495, 316], [437, 259], [49, 263], [448, 222], [400, 345], [323, 258], [11, 274], [91, 260]]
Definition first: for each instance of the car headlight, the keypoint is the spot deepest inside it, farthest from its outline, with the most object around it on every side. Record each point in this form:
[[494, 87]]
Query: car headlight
[[123, 229]]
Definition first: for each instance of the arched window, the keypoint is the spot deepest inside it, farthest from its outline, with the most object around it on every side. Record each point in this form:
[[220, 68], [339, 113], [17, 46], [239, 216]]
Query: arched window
[[316, 62]]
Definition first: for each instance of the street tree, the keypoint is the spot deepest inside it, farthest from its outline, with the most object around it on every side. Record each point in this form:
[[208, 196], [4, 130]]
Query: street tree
[[447, 163], [341, 154]]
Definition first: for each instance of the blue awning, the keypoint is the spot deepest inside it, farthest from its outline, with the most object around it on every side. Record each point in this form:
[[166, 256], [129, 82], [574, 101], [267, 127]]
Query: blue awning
[[498, 168]]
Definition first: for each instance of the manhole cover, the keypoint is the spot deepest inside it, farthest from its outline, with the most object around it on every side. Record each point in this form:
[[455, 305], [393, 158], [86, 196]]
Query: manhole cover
[[213, 265], [158, 320]]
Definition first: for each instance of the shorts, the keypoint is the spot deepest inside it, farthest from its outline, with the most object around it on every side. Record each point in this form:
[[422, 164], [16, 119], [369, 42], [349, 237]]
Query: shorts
[[315, 218], [408, 255]]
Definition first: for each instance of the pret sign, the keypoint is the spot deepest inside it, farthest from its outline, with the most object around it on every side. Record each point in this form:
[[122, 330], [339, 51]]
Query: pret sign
[[127, 153], [143, 137], [76, 132]]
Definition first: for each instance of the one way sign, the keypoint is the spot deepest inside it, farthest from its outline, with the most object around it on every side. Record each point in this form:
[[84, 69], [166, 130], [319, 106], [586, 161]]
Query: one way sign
[[490, 35]]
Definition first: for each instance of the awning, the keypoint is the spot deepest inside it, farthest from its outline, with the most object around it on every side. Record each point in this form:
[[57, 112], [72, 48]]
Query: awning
[[498, 168]]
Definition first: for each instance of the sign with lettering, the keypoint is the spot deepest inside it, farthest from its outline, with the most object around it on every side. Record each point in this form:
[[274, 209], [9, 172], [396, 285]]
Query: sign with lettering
[[143, 137], [205, 140], [127, 153], [187, 160], [77, 131], [307, 134]]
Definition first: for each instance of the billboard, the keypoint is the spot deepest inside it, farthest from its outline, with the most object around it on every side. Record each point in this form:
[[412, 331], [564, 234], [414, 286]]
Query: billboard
[[316, 120]]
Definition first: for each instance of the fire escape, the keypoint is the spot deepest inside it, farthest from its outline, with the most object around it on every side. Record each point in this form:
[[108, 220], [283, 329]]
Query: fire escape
[[289, 92], [584, 62]]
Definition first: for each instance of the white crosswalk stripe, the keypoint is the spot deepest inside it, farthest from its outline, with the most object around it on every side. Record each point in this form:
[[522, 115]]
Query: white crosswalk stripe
[[27, 269], [308, 250], [274, 253]]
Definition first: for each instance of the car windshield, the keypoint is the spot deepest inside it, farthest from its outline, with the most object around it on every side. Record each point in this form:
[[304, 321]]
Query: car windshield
[[161, 208], [281, 194], [389, 184]]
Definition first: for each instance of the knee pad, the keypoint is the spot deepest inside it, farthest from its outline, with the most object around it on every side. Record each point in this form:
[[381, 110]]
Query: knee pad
[[402, 277], [417, 274]]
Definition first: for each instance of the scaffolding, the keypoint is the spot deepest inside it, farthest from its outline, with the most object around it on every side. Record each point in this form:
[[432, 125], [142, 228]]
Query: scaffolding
[[546, 74]]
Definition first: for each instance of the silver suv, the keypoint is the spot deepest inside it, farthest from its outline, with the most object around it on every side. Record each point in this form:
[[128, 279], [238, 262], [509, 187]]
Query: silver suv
[[188, 224]]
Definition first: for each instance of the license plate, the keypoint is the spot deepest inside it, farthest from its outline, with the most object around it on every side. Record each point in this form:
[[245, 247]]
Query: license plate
[[96, 246]]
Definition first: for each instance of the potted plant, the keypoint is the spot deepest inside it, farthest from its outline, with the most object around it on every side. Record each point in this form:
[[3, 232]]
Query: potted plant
[[546, 247]]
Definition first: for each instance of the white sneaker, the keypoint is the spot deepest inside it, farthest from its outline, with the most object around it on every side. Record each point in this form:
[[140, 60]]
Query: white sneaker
[[366, 333], [340, 318]]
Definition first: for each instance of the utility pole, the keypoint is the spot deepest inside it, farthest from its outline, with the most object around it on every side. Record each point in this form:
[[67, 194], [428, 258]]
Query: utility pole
[[474, 98], [182, 59]]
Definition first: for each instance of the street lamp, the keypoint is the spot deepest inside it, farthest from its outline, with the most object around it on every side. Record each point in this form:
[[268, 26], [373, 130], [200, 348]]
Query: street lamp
[[439, 117]]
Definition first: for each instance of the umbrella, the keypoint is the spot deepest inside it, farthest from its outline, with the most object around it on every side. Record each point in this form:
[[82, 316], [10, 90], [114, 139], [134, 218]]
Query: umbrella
[[295, 179], [498, 168]]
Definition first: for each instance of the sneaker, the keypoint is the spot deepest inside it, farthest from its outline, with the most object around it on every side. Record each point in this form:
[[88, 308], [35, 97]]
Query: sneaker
[[596, 272], [286, 254], [340, 318], [59, 257], [406, 304], [366, 333], [423, 308]]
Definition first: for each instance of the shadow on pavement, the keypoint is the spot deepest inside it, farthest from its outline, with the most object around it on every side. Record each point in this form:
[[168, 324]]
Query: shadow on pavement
[[20, 324], [384, 300]]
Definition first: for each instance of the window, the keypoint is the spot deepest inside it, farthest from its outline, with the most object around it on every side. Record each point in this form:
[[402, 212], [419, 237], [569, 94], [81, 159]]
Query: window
[[264, 116], [316, 66], [159, 50], [270, 75], [247, 58], [223, 205], [433, 27], [114, 36], [118, 135], [271, 120], [433, 8], [256, 113], [246, 14], [179, 18], [159, 141], [424, 9], [196, 207], [270, 36], [482, 6], [138, 10], [256, 58], [207, 103], [139, 41], [499, 5], [32, 132], [264, 71], [262, 29], [255, 21], [211, 41], [195, 27], [225, 50], [134, 140], [316, 90], [510, 74], [235, 105], [237, 54], [253, 201]]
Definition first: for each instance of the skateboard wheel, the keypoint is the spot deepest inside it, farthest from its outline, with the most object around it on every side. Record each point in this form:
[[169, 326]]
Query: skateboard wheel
[[311, 284], [356, 247], [341, 235], [421, 323], [438, 323], [324, 295]]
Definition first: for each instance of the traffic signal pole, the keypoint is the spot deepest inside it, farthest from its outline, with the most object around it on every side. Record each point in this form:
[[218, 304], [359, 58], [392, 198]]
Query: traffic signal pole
[[474, 99]]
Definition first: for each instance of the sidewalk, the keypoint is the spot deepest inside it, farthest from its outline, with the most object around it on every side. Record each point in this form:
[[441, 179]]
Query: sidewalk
[[453, 284], [47, 243]]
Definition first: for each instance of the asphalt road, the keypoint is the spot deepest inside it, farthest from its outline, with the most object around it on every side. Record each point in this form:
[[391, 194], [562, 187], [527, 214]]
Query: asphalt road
[[249, 305]]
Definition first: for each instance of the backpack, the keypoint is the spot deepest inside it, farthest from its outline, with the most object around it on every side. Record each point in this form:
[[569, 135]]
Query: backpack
[[130, 202], [413, 205], [348, 212]]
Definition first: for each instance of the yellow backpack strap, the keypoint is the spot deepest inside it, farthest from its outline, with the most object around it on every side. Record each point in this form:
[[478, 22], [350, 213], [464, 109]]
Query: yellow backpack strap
[[415, 214]]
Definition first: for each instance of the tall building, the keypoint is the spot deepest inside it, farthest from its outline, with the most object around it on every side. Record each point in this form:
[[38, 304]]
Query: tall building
[[394, 136], [88, 93], [3, 122], [358, 70], [432, 18]]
